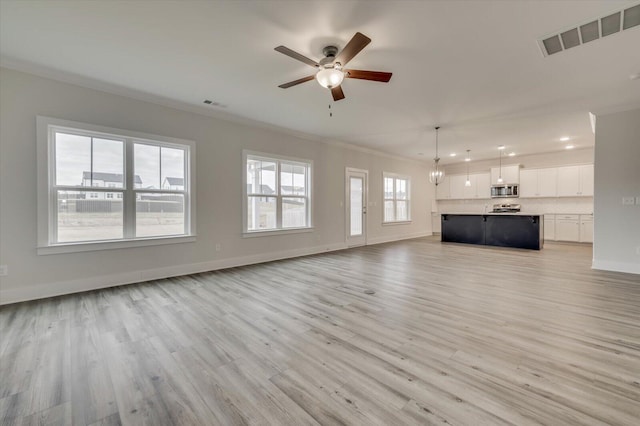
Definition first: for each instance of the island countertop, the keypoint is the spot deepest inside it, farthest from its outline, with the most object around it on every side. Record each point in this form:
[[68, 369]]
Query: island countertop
[[493, 214]]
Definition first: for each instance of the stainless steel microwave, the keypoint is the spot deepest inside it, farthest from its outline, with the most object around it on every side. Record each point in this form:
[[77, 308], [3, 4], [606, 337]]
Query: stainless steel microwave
[[504, 191]]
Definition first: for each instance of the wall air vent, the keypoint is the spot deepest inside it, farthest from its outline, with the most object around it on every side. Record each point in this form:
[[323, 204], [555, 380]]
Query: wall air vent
[[594, 29]]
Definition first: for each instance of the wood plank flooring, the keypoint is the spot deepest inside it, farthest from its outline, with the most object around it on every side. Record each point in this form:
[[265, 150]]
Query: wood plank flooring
[[454, 334]]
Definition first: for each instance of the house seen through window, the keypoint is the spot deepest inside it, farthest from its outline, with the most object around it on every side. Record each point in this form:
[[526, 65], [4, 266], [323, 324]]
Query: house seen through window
[[108, 187], [277, 194]]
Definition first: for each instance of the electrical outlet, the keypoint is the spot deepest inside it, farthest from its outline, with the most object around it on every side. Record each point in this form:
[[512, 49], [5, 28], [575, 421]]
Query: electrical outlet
[[628, 201], [4, 270]]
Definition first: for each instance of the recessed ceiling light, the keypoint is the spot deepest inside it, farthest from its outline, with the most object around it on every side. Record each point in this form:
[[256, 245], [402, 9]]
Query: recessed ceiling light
[[453, 154], [564, 138], [511, 154], [501, 147], [635, 76], [569, 147], [467, 159]]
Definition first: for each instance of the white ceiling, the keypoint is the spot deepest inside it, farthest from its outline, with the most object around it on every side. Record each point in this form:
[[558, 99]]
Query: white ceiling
[[472, 67]]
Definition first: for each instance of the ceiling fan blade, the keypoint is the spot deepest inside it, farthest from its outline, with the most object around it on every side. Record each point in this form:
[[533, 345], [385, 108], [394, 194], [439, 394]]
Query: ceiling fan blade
[[296, 55], [298, 81], [337, 93], [383, 77], [355, 45]]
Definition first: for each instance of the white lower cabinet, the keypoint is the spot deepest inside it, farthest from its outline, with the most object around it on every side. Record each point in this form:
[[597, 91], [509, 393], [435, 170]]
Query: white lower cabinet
[[586, 229], [549, 227], [569, 227], [436, 224]]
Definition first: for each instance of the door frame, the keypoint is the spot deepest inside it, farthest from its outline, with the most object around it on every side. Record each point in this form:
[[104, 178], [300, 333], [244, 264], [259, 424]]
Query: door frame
[[351, 171]]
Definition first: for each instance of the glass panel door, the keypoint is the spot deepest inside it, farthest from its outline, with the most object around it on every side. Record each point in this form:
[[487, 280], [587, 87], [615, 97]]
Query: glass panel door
[[356, 207]]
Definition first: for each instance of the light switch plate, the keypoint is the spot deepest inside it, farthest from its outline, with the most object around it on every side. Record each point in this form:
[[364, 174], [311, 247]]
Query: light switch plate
[[637, 201], [4, 270], [628, 201]]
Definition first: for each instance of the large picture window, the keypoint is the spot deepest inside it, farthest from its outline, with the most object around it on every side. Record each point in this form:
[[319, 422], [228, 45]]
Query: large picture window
[[102, 185], [396, 198], [277, 193]]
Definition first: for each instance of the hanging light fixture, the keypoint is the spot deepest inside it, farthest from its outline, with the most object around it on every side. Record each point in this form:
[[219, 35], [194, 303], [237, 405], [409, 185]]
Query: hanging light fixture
[[436, 175], [468, 182], [500, 148]]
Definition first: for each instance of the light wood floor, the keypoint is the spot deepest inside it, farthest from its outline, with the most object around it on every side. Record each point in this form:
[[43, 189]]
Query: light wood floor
[[454, 334]]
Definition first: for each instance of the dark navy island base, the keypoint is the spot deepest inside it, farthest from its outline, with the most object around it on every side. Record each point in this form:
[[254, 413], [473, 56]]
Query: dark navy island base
[[498, 229]]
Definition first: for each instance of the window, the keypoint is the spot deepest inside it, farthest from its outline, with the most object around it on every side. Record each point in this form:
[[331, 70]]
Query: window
[[277, 193], [100, 188], [396, 198]]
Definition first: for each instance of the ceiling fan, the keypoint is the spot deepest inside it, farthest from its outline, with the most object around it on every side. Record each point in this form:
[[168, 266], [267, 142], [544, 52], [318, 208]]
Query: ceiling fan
[[331, 69]]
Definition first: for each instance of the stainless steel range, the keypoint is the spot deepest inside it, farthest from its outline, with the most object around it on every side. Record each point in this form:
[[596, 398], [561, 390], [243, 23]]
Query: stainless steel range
[[506, 208]]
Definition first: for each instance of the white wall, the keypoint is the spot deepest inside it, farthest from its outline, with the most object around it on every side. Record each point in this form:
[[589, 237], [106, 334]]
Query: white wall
[[219, 155], [617, 175]]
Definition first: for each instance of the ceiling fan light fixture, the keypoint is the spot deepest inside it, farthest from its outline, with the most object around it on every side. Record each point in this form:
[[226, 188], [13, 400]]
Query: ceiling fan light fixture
[[330, 77]]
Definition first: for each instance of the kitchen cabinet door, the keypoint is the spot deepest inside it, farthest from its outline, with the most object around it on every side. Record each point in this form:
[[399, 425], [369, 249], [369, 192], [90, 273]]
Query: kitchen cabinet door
[[575, 181], [529, 183], [567, 228], [549, 227], [586, 180], [510, 174], [483, 185], [436, 225], [443, 191], [469, 192], [547, 182], [586, 229], [569, 181], [457, 188]]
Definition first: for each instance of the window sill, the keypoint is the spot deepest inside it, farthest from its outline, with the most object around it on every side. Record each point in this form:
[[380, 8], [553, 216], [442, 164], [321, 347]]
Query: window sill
[[268, 233], [110, 245], [401, 222]]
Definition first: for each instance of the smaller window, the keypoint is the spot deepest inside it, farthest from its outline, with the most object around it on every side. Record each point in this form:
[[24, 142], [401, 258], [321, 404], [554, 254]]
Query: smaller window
[[397, 197], [277, 193]]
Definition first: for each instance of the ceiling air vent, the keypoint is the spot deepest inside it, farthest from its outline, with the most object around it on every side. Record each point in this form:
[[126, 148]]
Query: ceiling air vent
[[589, 31]]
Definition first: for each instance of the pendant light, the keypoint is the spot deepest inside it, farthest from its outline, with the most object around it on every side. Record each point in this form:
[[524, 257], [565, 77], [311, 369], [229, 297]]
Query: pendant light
[[436, 175], [468, 182], [500, 149]]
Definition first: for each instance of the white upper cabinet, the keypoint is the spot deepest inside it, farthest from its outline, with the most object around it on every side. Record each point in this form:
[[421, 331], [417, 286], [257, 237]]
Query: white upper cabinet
[[548, 182], [510, 174], [480, 187], [483, 185], [538, 183], [575, 181], [443, 191], [457, 187]]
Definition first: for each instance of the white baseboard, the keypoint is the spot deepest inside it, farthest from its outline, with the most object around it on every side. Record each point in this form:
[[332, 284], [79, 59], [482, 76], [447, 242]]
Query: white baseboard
[[608, 265], [44, 290], [385, 239]]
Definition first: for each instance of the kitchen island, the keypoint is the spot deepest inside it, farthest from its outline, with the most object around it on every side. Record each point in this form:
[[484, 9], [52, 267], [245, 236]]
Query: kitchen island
[[516, 230]]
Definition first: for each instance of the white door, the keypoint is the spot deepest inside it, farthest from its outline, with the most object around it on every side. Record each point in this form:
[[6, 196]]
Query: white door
[[356, 207]]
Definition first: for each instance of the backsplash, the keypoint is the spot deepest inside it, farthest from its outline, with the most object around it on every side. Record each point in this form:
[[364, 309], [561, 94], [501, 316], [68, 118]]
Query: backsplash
[[576, 205]]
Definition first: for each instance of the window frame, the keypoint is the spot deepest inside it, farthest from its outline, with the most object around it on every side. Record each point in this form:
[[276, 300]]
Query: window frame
[[46, 199], [395, 177], [278, 159]]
